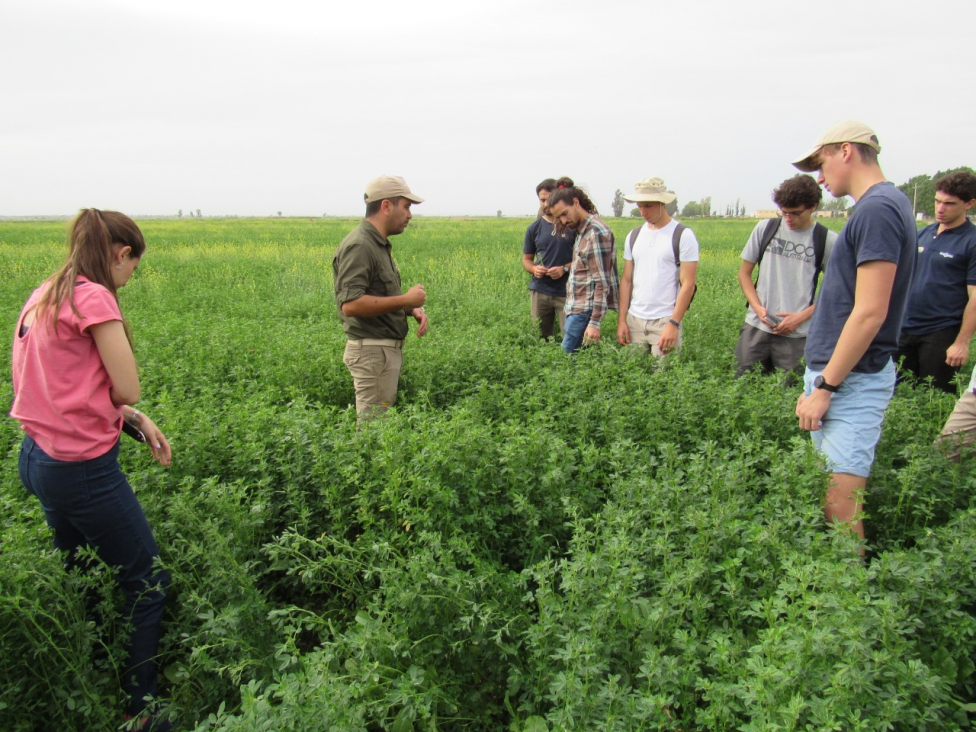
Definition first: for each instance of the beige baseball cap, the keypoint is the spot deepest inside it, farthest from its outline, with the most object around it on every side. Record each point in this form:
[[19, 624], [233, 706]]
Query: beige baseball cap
[[389, 186], [847, 131], [650, 189]]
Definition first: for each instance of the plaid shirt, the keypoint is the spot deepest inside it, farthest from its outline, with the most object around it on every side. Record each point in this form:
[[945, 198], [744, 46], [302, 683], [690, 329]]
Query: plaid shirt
[[593, 283]]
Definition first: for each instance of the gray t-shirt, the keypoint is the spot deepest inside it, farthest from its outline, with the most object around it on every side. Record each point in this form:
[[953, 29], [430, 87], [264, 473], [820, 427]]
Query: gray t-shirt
[[786, 272]]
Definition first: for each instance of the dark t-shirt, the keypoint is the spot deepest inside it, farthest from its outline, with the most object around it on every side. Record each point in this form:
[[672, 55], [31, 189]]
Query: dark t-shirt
[[944, 267], [550, 251], [881, 228]]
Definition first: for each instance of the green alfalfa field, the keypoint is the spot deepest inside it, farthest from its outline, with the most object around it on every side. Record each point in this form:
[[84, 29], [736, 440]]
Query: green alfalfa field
[[528, 542]]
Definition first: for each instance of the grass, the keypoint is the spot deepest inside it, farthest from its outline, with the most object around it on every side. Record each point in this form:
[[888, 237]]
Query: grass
[[528, 542]]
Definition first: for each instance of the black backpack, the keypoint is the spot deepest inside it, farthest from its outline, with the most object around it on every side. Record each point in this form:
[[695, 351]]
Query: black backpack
[[819, 247], [675, 250]]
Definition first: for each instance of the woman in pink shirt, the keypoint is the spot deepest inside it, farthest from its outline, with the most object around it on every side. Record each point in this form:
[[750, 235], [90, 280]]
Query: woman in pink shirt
[[75, 379]]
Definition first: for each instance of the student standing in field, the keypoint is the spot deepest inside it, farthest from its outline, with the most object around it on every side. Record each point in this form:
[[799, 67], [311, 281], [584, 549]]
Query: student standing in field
[[74, 380], [850, 376], [781, 302], [372, 308], [592, 289], [660, 268], [546, 255], [960, 429], [941, 314]]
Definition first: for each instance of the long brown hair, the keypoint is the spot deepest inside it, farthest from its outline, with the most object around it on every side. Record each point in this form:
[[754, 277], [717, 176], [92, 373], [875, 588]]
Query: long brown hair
[[92, 236]]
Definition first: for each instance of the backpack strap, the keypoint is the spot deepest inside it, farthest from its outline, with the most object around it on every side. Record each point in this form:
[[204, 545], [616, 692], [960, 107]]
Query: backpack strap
[[819, 251], [772, 226], [676, 251], [631, 238], [676, 243]]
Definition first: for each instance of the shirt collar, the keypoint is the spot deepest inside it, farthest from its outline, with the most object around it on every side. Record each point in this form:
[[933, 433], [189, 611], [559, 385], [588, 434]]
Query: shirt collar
[[955, 229], [374, 233]]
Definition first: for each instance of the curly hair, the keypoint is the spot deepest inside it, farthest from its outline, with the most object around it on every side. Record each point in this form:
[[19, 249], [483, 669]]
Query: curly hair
[[800, 190], [961, 184]]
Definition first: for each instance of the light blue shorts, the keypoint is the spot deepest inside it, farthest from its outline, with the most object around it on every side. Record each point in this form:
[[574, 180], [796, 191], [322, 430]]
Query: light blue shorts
[[852, 425]]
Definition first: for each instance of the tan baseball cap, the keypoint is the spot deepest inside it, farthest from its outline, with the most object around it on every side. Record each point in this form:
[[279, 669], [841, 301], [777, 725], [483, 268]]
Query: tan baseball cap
[[389, 186], [650, 189], [847, 131]]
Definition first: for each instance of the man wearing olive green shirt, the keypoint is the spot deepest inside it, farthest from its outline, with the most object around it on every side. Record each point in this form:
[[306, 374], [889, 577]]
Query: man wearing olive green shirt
[[371, 306]]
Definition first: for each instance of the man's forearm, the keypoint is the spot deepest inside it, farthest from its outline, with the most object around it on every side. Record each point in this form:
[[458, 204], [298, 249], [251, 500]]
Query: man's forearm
[[687, 276], [371, 306], [599, 305], [683, 302], [852, 344], [626, 287], [872, 296], [968, 326], [749, 290], [807, 313]]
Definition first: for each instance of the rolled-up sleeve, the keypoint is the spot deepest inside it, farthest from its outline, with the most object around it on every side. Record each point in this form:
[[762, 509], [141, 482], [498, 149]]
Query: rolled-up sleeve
[[352, 273]]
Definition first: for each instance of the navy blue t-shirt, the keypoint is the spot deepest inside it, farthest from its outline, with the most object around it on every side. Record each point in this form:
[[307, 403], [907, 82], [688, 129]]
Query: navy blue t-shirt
[[944, 267], [550, 251], [881, 228]]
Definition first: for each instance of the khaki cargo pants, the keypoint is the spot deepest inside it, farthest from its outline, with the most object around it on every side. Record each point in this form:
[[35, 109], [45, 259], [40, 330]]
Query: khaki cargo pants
[[375, 365], [646, 333], [960, 429]]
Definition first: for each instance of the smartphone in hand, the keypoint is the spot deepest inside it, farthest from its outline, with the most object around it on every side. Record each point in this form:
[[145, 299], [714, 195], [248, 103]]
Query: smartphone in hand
[[133, 432]]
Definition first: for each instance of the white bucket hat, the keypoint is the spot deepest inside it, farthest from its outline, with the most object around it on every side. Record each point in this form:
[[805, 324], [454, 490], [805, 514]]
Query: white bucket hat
[[650, 189]]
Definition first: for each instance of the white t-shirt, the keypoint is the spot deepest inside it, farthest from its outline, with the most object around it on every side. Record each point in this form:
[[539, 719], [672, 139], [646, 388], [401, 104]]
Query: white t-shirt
[[656, 282]]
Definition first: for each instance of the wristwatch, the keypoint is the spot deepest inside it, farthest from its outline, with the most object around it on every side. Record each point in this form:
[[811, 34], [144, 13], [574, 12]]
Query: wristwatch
[[820, 383]]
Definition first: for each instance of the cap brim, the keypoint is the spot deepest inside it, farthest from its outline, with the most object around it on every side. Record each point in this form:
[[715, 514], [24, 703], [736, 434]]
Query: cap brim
[[806, 163], [412, 197]]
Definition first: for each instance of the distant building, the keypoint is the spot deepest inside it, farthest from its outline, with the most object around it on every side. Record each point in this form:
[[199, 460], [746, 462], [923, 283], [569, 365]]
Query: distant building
[[765, 213], [822, 214]]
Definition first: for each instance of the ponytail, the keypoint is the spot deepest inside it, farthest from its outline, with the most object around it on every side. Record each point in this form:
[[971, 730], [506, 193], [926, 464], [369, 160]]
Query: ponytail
[[92, 237]]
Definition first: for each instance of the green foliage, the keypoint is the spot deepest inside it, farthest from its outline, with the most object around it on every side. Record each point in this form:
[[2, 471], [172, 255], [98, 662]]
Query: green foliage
[[618, 203], [837, 204], [528, 542], [698, 208]]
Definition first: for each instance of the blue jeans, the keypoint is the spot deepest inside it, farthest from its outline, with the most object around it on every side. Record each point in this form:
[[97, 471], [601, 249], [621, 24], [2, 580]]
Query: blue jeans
[[90, 504], [574, 329]]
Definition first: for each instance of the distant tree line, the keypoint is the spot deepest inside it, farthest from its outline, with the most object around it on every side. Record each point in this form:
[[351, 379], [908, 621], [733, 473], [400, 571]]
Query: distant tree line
[[698, 208], [736, 210]]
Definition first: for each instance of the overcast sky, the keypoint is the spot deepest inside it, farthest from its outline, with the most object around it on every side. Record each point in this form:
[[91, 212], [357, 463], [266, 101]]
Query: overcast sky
[[252, 107]]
